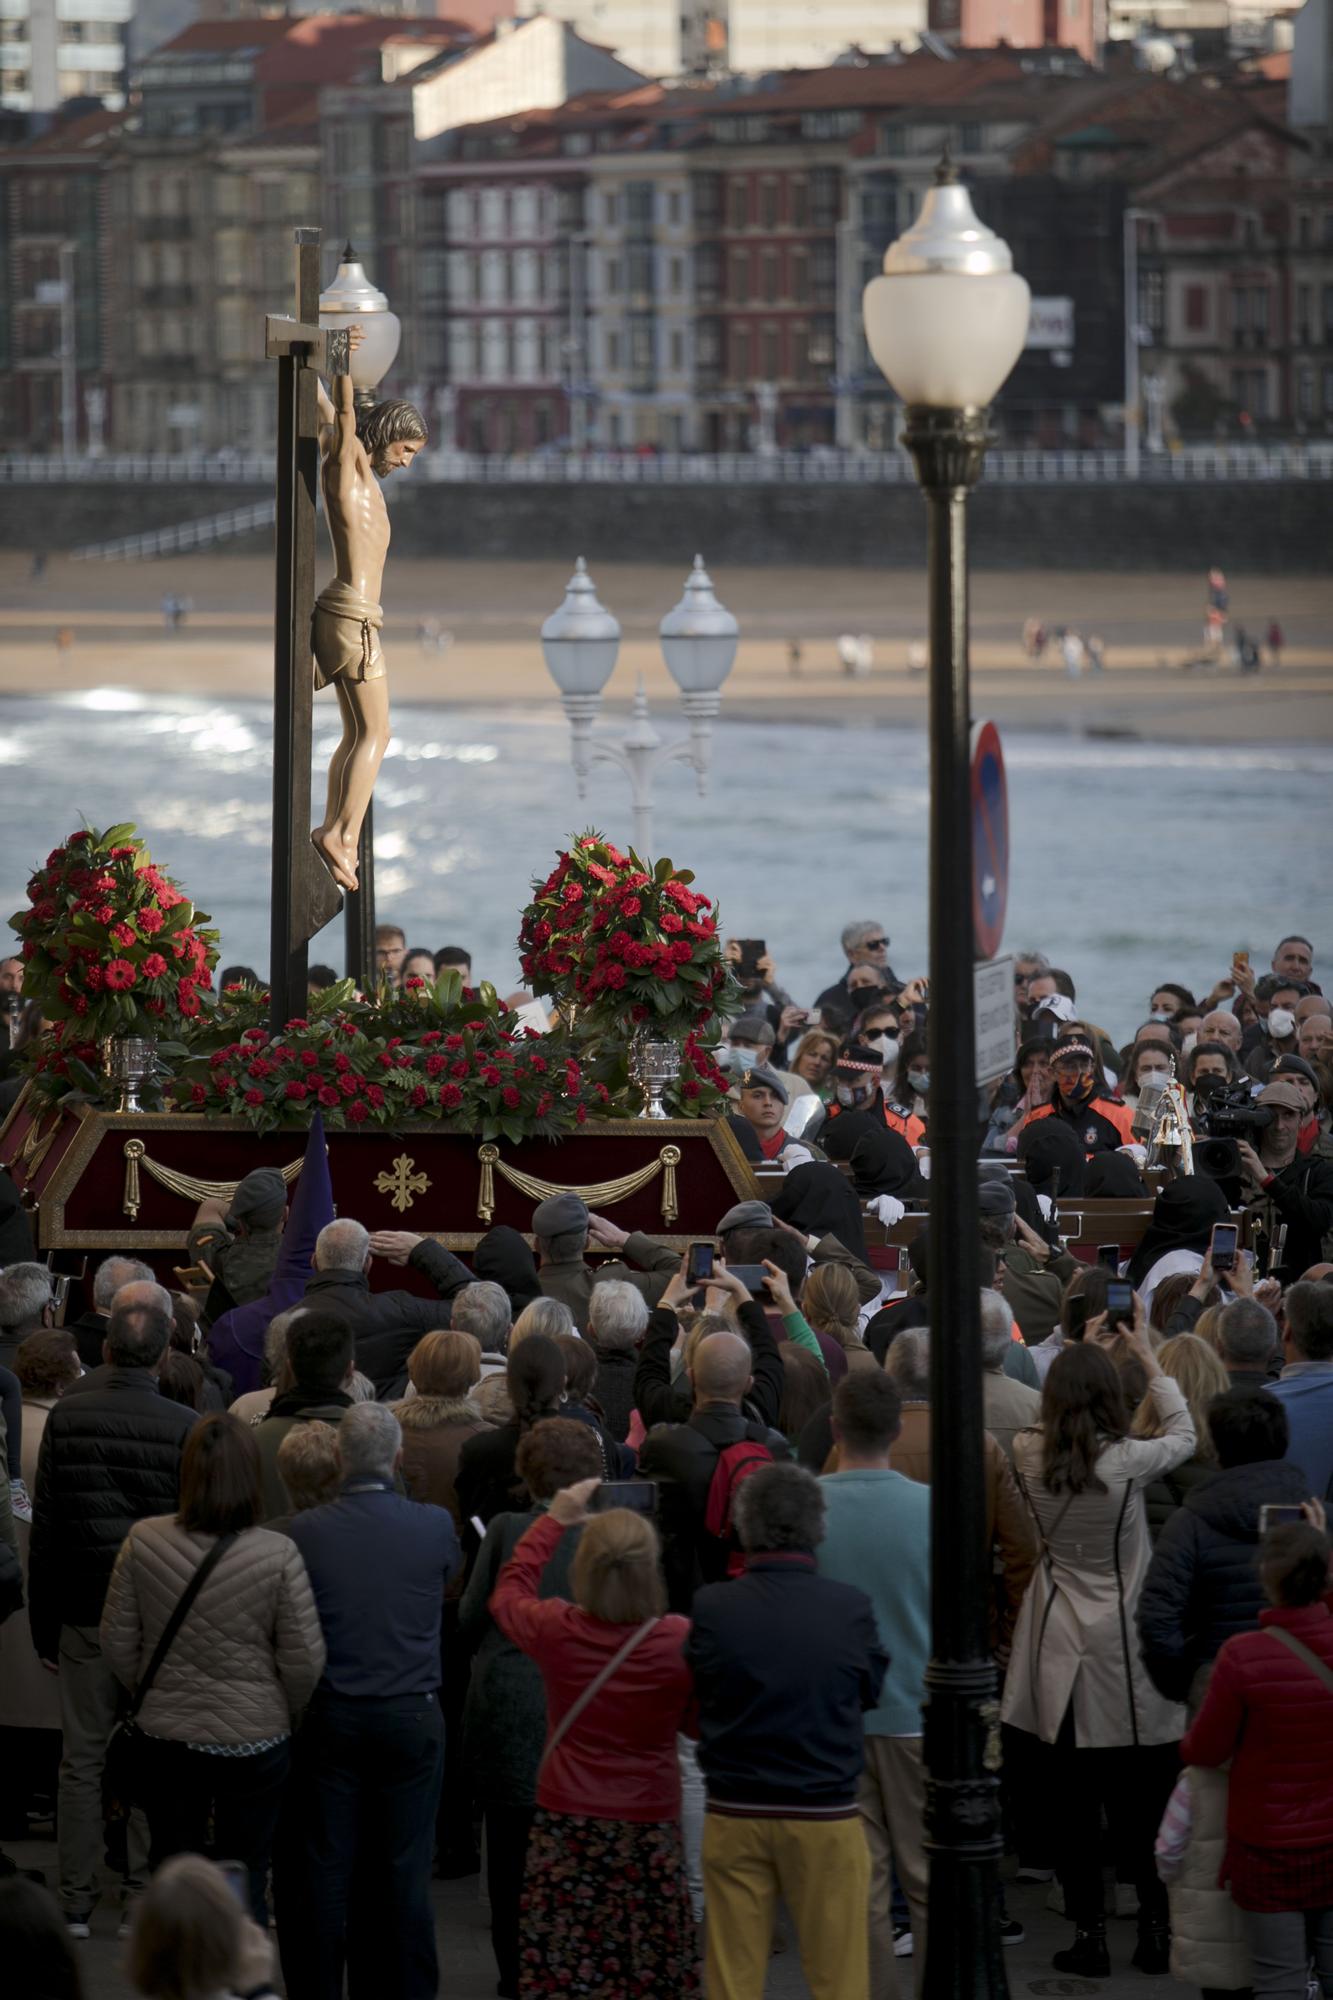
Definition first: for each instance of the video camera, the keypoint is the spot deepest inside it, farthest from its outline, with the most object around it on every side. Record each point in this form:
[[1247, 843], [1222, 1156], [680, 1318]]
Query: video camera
[[1227, 1117]]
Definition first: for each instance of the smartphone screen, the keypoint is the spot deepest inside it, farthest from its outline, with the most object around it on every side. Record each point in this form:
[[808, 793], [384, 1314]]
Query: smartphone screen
[[639, 1495], [1241, 958], [753, 1276], [1077, 1314], [1222, 1246], [699, 1265], [1109, 1255], [1273, 1516], [1120, 1302], [752, 950]]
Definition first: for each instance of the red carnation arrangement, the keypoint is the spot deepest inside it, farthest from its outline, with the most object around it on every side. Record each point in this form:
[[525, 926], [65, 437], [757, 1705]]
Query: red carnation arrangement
[[110, 946], [627, 941]]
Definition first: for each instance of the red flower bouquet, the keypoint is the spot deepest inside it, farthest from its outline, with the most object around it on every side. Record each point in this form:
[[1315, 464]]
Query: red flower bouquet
[[110, 946], [633, 945]]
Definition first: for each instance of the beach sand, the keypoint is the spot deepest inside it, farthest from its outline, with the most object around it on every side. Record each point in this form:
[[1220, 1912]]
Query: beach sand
[[86, 625]]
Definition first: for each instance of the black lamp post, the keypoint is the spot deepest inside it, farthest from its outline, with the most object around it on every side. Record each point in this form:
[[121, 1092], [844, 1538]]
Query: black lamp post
[[946, 323]]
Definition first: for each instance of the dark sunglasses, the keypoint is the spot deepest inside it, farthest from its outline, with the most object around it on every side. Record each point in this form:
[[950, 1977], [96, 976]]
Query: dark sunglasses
[[877, 944]]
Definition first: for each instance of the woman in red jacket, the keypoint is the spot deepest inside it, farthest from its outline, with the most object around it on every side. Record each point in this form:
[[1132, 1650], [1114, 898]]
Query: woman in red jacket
[[605, 1908], [1269, 1708]]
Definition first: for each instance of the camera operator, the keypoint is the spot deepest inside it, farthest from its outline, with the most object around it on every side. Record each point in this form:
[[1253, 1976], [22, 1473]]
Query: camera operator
[[1294, 1188]]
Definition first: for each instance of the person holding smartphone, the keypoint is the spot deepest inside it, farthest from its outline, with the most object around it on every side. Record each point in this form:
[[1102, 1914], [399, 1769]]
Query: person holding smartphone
[[1076, 1679]]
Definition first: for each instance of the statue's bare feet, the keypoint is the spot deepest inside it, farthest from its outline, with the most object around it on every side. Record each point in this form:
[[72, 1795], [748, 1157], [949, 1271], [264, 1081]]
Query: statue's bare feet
[[331, 853]]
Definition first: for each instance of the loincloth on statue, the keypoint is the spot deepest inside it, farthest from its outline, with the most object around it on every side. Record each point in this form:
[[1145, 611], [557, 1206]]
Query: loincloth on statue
[[344, 636]]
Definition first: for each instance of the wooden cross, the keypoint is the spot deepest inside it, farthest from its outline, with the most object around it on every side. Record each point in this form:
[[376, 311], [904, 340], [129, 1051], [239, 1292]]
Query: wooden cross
[[305, 896]]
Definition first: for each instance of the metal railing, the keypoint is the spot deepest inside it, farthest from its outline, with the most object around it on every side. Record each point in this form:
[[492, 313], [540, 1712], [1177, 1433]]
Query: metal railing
[[1006, 465], [181, 535]]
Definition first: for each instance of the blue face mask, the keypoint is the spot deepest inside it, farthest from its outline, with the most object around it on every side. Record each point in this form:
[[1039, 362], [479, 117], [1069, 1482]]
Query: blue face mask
[[919, 1079]]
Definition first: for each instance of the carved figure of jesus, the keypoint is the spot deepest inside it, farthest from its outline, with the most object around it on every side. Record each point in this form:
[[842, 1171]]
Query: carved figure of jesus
[[355, 454]]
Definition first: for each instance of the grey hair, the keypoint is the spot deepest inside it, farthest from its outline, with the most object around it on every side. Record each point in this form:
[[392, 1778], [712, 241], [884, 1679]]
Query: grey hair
[[779, 1507], [483, 1310], [112, 1273], [361, 1389], [369, 1440], [275, 1340], [25, 1292], [997, 1328], [1246, 1333], [342, 1246], [907, 1364], [549, 1316], [1036, 959], [617, 1315], [858, 931], [144, 1295]]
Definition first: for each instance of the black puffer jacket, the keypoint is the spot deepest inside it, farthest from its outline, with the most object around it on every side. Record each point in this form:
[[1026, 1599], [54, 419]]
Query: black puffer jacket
[[1202, 1585], [110, 1457]]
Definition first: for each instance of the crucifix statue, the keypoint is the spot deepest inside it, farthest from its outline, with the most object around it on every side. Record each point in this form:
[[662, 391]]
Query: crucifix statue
[[312, 865]]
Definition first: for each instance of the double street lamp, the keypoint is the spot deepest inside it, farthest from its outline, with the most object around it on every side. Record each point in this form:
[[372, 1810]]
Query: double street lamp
[[946, 323], [581, 642]]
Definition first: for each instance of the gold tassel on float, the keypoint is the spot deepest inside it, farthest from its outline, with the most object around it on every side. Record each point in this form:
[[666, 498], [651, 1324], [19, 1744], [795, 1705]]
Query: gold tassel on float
[[598, 1194], [185, 1185]]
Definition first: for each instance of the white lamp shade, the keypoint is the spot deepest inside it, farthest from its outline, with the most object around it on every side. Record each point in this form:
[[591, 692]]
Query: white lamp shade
[[351, 300], [948, 319], [699, 636], [947, 339], [581, 640]]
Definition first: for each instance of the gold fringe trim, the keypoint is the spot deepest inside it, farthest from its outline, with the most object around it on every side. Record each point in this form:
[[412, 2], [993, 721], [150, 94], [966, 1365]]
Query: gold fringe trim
[[600, 1194]]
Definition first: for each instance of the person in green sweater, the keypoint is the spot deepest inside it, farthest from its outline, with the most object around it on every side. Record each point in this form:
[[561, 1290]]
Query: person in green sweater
[[877, 1536]]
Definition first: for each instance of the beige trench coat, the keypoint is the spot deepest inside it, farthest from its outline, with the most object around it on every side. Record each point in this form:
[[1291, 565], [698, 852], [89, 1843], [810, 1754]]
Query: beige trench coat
[[1076, 1639]]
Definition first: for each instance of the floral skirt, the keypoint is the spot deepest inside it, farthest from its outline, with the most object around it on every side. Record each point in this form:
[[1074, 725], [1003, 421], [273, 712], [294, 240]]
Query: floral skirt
[[606, 1912]]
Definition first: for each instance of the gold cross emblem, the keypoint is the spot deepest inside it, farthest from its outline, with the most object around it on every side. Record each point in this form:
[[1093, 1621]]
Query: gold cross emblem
[[403, 1183]]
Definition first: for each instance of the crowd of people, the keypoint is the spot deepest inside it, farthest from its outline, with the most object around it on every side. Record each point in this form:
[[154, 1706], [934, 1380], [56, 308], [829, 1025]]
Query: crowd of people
[[607, 1571]]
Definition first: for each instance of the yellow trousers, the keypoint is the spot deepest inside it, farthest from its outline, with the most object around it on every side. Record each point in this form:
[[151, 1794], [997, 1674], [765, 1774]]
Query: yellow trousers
[[820, 1869]]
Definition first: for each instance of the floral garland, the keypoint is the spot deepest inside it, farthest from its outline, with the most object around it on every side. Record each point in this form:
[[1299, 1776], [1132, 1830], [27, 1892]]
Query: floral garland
[[110, 946], [476, 1070], [633, 946]]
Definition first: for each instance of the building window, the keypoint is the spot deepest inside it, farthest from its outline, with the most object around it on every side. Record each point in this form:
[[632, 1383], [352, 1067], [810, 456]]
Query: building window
[[1240, 317], [800, 276], [798, 204], [768, 204], [740, 353], [677, 276], [1196, 308], [612, 277], [677, 351], [1328, 392], [675, 208], [541, 424], [613, 352], [1303, 229], [770, 366], [510, 351], [768, 277], [1305, 392], [1328, 315], [800, 353], [740, 277], [1302, 316], [1259, 314], [738, 205], [611, 209]]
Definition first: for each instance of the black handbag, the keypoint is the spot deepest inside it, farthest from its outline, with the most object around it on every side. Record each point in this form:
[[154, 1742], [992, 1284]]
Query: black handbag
[[120, 1772]]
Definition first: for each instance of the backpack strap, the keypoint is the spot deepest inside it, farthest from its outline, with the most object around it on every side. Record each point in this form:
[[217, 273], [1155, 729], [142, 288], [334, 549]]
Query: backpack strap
[[1319, 1668], [594, 1688], [178, 1617]]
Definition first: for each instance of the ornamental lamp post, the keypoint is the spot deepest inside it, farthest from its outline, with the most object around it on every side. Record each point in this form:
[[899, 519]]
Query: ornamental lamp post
[[946, 323], [581, 642], [351, 300]]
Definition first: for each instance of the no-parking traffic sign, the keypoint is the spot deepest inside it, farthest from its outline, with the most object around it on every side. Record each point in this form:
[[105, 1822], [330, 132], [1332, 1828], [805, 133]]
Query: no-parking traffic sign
[[990, 839]]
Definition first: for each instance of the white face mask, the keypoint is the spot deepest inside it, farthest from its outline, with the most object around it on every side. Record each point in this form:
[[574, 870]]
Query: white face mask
[[888, 1046], [1281, 1023], [846, 1094]]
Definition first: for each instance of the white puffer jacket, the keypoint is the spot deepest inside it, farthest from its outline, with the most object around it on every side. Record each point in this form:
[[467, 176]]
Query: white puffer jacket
[[250, 1652], [1208, 1946]]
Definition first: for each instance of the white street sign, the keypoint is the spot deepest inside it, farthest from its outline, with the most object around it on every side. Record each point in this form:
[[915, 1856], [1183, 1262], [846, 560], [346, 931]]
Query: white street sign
[[993, 1000]]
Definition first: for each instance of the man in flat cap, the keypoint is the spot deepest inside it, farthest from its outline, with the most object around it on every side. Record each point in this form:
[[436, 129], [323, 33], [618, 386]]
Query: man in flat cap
[[564, 1228], [761, 1106], [1290, 1189], [751, 1040], [238, 1242]]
